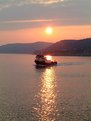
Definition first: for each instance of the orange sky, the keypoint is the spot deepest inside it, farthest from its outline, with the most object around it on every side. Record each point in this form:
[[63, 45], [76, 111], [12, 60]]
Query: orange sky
[[38, 34], [24, 21]]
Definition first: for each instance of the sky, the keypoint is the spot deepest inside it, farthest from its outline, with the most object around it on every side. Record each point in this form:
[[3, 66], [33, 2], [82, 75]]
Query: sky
[[25, 21]]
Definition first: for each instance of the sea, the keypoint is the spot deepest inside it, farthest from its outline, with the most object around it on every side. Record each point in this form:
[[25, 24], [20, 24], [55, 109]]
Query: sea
[[56, 93]]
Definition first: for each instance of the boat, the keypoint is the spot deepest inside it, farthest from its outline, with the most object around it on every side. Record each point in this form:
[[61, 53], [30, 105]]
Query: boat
[[44, 60]]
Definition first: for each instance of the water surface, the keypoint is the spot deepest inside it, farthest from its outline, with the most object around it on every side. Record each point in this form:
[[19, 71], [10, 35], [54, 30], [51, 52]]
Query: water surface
[[59, 93]]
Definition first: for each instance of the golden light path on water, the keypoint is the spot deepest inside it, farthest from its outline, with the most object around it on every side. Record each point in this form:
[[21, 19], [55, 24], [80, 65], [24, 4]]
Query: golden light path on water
[[46, 110]]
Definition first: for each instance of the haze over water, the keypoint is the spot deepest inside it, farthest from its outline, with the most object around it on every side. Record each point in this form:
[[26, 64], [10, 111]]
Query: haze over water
[[59, 93]]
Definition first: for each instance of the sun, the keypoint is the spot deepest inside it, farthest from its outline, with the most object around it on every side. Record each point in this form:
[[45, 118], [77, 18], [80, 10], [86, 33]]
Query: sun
[[49, 30]]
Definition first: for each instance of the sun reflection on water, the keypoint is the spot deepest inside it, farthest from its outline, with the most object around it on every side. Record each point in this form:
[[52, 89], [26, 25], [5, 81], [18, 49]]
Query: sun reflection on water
[[46, 107]]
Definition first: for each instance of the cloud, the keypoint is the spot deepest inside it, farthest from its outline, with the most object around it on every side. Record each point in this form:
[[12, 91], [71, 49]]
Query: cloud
[[4, 5], [20, 24], [28, 21], [8, 3], [46, 1], [34, 13]]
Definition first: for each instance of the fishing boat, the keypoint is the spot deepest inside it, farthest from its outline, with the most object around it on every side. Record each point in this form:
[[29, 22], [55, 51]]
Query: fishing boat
[[44, 60]]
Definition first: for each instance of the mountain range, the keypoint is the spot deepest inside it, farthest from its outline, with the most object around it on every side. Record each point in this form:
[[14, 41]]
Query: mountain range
[[70, 48], [28, 48], [61, 48]]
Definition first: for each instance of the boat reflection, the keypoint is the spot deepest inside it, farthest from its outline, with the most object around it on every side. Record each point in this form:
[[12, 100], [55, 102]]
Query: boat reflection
[[46, 107]]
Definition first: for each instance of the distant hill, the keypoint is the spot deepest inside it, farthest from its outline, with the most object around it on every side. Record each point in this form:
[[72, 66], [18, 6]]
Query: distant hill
[[24, 47], [70, 48], [61, 48]]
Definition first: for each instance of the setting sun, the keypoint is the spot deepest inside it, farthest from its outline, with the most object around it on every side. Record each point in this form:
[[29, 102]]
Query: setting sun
[[49, 30]]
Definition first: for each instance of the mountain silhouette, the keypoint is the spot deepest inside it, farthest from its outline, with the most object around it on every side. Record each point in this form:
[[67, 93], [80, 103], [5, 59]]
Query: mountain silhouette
[[70, 47], [24, 47], [80, 47]]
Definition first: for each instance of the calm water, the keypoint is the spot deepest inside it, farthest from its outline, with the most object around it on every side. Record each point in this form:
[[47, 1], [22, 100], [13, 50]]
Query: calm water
[[59, 93]]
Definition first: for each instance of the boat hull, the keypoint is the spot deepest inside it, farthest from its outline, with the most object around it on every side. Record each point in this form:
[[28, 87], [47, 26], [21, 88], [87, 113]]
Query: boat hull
[[43, 63]]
